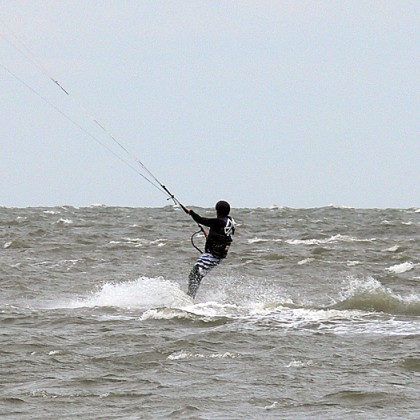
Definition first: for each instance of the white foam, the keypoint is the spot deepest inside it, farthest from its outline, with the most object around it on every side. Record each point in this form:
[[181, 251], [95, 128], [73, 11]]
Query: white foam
[[214, 309], [63, 221], [394, 248], [339, 206], [353, 263], [332, 239], [401, 268], [138, 242], [259, 240], [186, 355], [276, 207], [256, 240], [271, 406], [299, 363], [306, 261], [369, 294], [142, 293], [155, 299]]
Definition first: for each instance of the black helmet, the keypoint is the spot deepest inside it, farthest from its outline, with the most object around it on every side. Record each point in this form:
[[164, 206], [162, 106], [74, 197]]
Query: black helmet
[[223, 208]]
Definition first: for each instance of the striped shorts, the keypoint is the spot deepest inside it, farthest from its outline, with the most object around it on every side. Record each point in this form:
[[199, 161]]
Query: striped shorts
[[206, 262]]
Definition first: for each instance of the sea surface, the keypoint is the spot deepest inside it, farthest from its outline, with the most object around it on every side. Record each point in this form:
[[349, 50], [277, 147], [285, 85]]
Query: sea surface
[[314, 314]]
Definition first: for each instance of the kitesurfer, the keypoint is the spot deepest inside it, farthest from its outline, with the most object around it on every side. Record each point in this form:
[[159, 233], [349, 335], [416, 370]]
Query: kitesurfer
[[217, 245]]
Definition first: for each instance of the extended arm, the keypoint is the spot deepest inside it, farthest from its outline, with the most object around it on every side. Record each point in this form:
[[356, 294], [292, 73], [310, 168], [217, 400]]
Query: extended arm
[[211, 223]]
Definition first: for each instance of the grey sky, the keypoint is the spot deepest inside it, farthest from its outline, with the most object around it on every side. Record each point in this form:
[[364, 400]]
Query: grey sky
[[290, 103]]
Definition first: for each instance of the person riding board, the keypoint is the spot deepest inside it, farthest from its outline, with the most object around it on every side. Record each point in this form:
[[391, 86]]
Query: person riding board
[[217, 245]]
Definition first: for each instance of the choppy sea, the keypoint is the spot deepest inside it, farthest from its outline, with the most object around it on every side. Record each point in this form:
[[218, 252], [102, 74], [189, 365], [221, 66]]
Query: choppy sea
[[314, 314]]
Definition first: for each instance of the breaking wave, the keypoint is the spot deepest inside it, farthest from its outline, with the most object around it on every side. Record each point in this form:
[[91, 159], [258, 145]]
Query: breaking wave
[[371, 295], [401, 268], [354, 309]]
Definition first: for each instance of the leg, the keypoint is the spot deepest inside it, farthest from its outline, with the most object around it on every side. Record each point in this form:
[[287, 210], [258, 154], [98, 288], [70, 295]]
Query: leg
[[194, 281], [204, 264]]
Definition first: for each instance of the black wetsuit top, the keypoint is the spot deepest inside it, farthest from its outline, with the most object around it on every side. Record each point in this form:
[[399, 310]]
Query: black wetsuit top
[[220, 234]]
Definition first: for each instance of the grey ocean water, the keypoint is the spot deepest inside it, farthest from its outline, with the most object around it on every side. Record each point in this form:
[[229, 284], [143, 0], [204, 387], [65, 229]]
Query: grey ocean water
[[315, 314]]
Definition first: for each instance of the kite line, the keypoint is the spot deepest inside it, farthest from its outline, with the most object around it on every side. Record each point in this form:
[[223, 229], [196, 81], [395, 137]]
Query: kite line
[[144, 172]]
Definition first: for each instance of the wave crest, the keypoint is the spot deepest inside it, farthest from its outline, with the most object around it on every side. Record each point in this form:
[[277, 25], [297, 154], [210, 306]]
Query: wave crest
[[371, 295]]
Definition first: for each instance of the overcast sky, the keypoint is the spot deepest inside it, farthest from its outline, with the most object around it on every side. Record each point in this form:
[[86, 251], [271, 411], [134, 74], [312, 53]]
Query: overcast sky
[[289, 103]]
